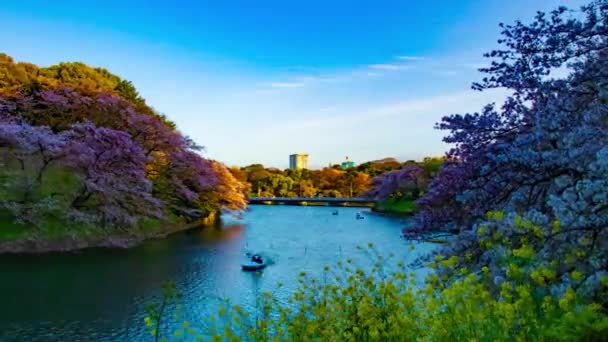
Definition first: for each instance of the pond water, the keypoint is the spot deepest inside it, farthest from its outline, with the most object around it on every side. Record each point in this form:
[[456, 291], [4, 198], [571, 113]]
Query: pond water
[[100, 295]]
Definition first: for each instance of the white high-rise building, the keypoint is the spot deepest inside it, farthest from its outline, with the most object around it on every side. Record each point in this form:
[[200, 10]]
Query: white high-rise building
[[298, 161]]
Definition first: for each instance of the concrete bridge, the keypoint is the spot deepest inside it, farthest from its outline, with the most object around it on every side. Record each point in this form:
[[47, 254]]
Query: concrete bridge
[[325, 201]]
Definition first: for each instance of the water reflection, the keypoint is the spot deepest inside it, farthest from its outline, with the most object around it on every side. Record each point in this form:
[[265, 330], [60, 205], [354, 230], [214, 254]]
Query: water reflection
[[102, 293]]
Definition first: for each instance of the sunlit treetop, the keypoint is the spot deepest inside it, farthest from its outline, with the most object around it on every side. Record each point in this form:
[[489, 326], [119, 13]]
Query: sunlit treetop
[[26, 78]]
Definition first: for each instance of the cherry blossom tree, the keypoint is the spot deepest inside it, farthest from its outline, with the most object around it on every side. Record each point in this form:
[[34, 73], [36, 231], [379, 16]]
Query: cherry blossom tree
[[111, 166], [229, 193], [108, 164], [26, 154], [540, 157], [397, 183], [179, 174], [182, 178]]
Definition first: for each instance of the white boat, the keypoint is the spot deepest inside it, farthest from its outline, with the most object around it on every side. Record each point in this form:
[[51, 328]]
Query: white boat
[[253, 263]]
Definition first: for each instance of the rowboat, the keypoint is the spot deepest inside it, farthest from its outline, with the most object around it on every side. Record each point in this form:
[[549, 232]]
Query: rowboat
[[253, 263]]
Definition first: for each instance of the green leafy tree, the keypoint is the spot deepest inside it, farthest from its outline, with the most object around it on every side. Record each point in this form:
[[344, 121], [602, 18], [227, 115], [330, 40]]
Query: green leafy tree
[[306, 188], [87, 80], [157, 312]]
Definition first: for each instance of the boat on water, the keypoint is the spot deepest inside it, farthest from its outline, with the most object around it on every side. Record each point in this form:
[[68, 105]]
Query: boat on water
[[360, 217], [335, 212], [253, 263]]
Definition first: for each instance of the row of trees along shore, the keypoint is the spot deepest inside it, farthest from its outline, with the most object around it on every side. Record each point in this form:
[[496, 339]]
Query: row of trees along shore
[[369, 179], [524, 190], [82, 153]]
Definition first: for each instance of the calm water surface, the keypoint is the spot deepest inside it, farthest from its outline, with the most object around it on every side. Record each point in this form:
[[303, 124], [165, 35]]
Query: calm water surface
[[100, 295]]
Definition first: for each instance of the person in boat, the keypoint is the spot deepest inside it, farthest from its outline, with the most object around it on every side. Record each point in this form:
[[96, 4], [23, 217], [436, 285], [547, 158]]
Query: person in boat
[[257, 259]]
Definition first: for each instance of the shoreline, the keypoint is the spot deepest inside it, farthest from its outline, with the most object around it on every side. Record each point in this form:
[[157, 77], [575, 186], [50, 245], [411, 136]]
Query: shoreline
[[38, 246], [401, 207], [392, 213]]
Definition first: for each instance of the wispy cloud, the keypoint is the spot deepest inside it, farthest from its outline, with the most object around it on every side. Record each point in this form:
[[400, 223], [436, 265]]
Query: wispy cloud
[[372, 70], [326, 109], [477, 66], [411, 58], [433, 106], [301, 77], [387, 66], [446, 73], [332, 79], [301, 81], [286, 84], [306, 78], [265, 91]]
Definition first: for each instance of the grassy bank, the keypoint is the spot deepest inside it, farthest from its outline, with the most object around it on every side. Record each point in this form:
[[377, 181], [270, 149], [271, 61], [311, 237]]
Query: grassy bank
[[59, 236], [396, 206], [48, 229], [56, 229], [54, 238]]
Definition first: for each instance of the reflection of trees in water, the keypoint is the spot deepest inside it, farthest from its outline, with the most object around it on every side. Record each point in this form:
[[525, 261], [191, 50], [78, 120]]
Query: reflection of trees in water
[[93, 286], [69, 292], [230, 232], [105, 291]]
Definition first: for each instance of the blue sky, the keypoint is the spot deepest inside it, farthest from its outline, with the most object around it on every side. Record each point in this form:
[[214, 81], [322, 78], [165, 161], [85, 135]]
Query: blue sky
[[254, 81]]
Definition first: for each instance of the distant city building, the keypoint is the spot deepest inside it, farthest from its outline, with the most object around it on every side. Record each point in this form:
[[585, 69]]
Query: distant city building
[[298, 161], [347, 164]]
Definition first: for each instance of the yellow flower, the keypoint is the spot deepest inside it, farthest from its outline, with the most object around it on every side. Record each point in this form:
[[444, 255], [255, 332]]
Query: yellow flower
[[524, 252], [566, 301], [513, 271], [451, 262], [576, 275], [555, 226], [468, 256], [548, 274], [537, 277]]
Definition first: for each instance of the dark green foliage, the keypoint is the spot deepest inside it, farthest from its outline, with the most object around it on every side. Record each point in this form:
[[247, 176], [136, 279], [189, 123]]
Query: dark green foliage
[[26, 77], [81, 76]]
